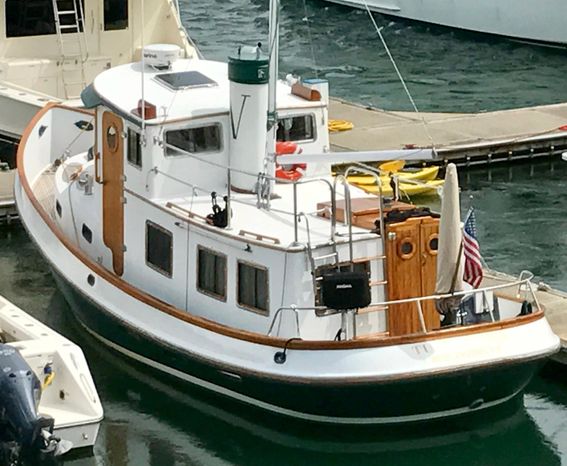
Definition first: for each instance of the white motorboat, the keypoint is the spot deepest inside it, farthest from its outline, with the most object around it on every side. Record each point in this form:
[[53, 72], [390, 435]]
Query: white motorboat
[[51, 49], [185, 237], [67, 396], [527, 21]]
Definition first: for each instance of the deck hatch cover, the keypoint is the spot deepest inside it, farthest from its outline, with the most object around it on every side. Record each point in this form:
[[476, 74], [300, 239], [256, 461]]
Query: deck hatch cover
[[185, 80]]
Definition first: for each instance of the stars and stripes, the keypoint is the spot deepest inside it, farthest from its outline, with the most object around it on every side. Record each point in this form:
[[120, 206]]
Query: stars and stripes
[[473, 260]]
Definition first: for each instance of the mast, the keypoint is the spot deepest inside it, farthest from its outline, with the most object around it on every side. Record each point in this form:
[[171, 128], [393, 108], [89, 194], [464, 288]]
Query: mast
[[272, 85]]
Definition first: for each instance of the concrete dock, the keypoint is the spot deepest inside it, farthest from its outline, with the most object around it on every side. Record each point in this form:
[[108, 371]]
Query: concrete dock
[[463, 138], [553, 301]]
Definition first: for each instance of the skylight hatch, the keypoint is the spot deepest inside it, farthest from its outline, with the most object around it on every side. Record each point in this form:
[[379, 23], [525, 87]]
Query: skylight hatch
[[185, 80]]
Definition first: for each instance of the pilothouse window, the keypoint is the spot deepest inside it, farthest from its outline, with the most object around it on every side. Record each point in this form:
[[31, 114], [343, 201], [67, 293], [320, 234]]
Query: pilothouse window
[[194, 140], [37, 18], [134, 148], [253, 290], [115, 15], [296, 128]]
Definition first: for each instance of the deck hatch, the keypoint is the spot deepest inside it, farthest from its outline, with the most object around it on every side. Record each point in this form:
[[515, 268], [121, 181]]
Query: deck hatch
[[185, 80]]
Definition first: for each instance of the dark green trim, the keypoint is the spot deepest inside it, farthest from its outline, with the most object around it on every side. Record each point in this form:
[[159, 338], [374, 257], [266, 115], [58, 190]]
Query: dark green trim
[[248, 68]]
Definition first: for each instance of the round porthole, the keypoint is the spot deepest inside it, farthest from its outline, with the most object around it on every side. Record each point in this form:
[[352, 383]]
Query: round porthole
[[90, 279], [406, 248], [433, 244], [112, 138]]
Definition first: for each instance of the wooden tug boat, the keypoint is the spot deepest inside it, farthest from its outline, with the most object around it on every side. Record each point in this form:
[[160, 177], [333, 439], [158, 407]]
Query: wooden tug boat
[[176, 245]]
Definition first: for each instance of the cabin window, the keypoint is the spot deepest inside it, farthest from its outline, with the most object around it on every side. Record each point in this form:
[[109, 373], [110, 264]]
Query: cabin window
[[211, 273], [194, 140], [115, 15], [87, 233], [36, 17], [253, 289], [134, 148], [344, 267], [296, 128], [159, 248], [58, 208]]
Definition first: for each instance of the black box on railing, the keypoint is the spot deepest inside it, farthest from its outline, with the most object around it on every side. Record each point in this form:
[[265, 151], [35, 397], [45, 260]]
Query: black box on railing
[[345, 290]]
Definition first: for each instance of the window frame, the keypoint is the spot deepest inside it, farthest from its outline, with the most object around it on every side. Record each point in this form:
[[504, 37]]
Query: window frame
[[314, 121], [148, 263], [187, 153], [247, 307], [209, 293], [129, 132]]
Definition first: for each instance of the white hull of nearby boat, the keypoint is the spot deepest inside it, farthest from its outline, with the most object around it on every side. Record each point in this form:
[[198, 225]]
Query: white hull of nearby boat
[[524, 20], [17, 110], [235, 360], [70, 398]]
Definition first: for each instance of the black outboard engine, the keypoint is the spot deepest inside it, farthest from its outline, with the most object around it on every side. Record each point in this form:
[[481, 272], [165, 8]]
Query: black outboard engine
[[21, 428]]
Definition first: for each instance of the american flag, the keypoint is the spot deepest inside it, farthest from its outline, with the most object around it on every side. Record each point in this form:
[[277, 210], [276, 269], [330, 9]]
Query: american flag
[[473, 265]]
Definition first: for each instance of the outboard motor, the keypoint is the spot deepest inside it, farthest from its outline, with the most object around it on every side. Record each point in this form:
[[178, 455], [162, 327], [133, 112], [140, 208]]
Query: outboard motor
[[22, 430]]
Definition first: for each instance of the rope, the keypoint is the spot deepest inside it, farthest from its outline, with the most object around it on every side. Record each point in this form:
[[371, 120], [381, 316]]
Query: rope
[[400, 77], [339, 125], [306, 19]]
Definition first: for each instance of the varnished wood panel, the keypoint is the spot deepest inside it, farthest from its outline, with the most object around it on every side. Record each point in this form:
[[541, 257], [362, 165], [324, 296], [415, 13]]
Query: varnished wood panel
[[404, 275], [113, 188], [429, 233]]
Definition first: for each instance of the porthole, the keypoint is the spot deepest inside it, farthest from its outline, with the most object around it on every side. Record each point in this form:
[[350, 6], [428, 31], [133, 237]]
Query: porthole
[[433, 244], [406, 248], [90, 279], [112, 138], [58, 208], [87, 233]]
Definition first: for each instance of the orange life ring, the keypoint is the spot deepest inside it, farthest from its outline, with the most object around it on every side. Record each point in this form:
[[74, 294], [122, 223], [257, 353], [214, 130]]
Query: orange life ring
[[284, 172]]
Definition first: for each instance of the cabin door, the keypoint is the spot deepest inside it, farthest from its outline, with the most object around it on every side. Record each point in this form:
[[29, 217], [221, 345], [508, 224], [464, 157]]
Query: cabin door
[[411, 251], [113, 189]]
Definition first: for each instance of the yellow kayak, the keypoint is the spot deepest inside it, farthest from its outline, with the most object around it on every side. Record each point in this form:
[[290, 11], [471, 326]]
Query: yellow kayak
[[423, 174], [406, 189]]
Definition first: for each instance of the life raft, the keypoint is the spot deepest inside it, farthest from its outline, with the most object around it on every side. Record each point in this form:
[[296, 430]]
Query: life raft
[[287, 172]]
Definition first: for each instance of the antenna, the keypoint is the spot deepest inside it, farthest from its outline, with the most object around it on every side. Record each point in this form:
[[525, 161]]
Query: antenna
[[143, 113]]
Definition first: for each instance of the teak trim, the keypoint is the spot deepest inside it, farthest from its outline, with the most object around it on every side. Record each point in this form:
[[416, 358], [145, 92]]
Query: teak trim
[[223, 329]]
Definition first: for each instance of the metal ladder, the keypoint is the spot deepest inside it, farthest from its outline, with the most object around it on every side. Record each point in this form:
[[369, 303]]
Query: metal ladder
[[72, 45], [375, 263]]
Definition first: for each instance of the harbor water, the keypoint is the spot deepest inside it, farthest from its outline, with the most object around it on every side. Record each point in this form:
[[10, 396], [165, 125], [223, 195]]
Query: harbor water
[[153, 420]]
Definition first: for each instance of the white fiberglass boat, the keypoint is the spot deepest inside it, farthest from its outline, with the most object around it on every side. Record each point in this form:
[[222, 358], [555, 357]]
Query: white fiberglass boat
[[51, 49], [529, 21], [66, 401], [186, 238]]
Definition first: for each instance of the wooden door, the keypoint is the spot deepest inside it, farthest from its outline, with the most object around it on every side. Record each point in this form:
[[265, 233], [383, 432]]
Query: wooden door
[[404, 275], [411, 261], [429, 238], [113, 188]]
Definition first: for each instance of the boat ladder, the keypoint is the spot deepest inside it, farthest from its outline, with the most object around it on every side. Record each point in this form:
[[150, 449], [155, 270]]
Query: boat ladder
[[69, 26]]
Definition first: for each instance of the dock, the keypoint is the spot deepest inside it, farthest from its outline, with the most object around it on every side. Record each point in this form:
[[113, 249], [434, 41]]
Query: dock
[[553, 301], [463, 138]]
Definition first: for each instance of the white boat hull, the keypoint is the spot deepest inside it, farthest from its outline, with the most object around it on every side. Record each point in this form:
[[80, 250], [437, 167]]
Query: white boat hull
[[525, 20], [413, 380]]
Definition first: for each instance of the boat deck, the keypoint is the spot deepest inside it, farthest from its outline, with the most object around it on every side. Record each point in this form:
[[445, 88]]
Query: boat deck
[[465, 138], [554, 303]]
